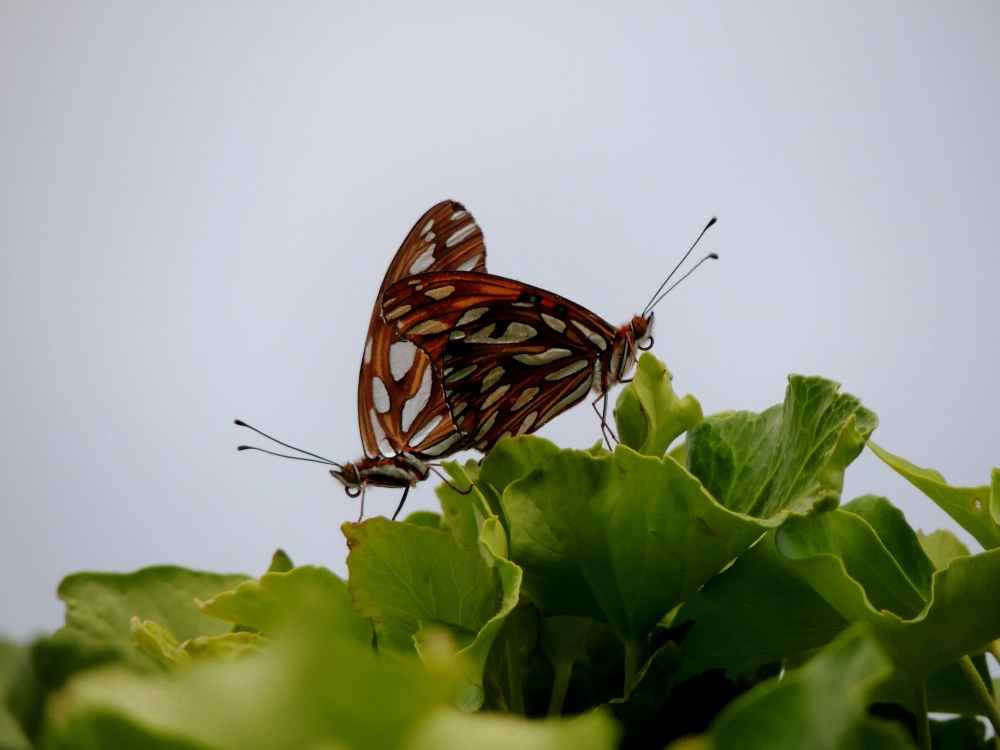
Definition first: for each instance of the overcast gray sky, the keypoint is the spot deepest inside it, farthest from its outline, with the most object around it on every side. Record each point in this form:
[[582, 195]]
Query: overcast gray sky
[[198, 202]]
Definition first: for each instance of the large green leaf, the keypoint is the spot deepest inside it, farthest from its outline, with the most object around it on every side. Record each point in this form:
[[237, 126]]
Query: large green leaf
[[267, 604], [757, 611], [839, 557], [413, 581], [622, 538], [821, 705], [100, 606], [648, 413], [787, 460], [975, 509], [309, 690], [509, 461]]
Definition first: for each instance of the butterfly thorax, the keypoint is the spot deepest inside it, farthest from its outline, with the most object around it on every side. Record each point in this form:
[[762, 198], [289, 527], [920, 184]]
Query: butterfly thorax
[[401, 470]]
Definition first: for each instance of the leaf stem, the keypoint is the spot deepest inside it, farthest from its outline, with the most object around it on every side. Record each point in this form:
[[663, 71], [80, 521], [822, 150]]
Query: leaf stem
[[514, 682], [981, 691], [633, 661], [564, 670], [923, 722]]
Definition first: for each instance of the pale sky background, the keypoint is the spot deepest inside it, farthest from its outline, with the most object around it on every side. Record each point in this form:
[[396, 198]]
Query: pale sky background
[[198, 202]]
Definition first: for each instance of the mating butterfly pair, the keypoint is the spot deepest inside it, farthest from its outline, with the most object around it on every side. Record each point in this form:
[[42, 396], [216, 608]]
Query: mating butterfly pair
[[456, 358]]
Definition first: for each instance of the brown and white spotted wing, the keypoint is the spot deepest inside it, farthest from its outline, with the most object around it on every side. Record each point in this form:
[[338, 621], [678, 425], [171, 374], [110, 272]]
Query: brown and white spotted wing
[[401, 405], [511, 356]]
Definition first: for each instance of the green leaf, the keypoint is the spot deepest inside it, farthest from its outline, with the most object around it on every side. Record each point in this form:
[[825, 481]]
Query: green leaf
[[757, 611], [975, 509], [462, 515], [622, 538], [100, 606], [13, 660], [424, 518], [948, 690], [822, 704], [280, 562], [788, 460], [413, 580], [268, 604], [648, 413], [898, 538], [157, 643], [307, 690], [942, 547], [838, 558], [451, 730], [509, 461]]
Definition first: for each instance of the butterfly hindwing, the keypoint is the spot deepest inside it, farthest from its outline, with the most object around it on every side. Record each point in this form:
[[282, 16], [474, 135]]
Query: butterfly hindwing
[[510, 356], [400, 401]]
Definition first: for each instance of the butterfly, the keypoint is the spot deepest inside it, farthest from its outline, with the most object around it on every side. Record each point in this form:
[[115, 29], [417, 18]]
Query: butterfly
[[402, 413], [512, 356]]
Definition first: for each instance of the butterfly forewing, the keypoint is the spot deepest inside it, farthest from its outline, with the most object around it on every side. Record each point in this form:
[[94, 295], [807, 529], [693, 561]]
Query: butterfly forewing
[[510, 356], [401, 405]]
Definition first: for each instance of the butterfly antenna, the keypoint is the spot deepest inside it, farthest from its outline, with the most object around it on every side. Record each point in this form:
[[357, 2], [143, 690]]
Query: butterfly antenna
[[710, 256], [653, 299], [322, 460]]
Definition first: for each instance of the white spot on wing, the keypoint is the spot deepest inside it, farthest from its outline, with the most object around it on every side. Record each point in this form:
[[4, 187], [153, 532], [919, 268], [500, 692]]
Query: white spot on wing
[[495, 396], [380, 395], [526, 395], [415, 405], [454, 377], [554, 323], [595, 338], [568, 370], [515, 333], [428, 327], [401, 355], [542, 358], [424, 261], [440, 293], [482, 336], [368, 350], [491, 377], [425, 431], [401, 310], [384, 448], [459, 215], [470, 263], [427, 226], [460, 234], [567, 401], [472, 315], [438, 448], [486, 426], [526, 424]]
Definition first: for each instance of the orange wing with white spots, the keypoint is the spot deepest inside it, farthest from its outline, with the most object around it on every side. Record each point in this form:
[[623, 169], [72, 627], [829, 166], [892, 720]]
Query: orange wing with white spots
[[510, 356], [401, 405]]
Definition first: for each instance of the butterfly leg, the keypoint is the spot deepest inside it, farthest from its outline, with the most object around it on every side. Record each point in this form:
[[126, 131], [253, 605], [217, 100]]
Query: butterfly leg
[[362, 513], [448, 482], [400, 506], [605, 427]]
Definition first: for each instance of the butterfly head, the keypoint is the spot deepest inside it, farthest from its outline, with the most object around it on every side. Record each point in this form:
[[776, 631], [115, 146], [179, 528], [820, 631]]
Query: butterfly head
[[349, 476], [642, 331]]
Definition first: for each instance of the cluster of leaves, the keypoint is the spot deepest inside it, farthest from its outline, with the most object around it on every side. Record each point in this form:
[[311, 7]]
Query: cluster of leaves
[[718, 595]]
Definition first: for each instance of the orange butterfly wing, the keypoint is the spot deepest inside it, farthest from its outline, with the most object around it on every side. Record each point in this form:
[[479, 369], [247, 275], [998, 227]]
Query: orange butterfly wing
[[510, 356], [401, 405]]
